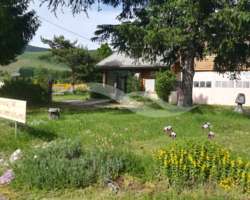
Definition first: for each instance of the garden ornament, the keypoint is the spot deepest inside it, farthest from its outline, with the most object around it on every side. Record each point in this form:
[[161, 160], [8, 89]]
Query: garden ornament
[[173, 135], [206, 125], [168, 129], [211, 135], [240, 101], [54, 113]]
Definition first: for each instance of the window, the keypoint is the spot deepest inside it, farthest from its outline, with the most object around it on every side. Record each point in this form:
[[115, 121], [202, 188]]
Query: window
[[202, 84], [218, 84], [246, 84], [224, 84], [239, 84], [196, 84], [208, 84], [242, 84], [230, 84]]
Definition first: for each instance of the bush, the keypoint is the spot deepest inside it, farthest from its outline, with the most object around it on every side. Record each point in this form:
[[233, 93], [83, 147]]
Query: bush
[[66, 164], [26, 72], [133, 84], [165, 82], [24, 90], [203, 163]]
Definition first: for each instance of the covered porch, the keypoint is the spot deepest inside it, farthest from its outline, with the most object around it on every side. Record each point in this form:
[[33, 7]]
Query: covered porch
[[117, 68]]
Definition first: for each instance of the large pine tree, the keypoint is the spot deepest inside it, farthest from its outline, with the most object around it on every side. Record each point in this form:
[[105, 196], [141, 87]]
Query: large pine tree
[[179, 30]]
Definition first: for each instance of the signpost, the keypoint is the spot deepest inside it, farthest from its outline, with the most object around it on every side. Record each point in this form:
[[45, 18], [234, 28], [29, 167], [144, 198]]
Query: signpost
[[14, 110]]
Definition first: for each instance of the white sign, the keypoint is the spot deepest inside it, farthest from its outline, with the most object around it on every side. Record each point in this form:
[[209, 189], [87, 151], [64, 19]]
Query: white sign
[[13, 109]]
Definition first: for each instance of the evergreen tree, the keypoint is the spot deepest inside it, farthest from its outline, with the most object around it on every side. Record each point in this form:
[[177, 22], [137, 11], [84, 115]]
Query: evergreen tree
[[17, 27], [75, 57], [178, 31]]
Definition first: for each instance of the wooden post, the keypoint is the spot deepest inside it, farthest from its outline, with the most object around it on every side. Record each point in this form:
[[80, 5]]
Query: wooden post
[[50, 88], [104, 78], [15, 129]]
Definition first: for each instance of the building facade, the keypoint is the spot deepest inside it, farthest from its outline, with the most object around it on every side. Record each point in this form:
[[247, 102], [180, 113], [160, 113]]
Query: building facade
[[209, 87]]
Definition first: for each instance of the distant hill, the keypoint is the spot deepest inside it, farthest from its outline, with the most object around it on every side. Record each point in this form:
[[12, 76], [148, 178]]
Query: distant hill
[[31, 48], [33, 57]]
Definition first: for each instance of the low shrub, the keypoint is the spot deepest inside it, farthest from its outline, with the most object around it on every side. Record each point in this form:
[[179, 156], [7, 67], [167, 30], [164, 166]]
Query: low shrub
[[133, 84], [24, 90], [164, 84], [66, 164], [201, 163], [94, 95]]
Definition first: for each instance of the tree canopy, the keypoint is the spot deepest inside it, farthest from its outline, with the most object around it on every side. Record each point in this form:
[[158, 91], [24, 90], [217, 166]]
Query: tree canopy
[[103, 51], [77, 58], [185, 30], [84, 5], [178, 31], [17, 27], [175, 29]]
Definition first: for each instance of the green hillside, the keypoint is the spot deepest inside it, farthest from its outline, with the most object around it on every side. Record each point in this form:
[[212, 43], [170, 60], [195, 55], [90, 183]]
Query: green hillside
[[35, 49], [33, 59]]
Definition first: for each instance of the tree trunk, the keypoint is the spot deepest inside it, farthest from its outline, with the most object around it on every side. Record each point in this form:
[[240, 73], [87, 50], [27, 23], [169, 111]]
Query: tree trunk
[[73, 82], [187, 65], [50, 91]]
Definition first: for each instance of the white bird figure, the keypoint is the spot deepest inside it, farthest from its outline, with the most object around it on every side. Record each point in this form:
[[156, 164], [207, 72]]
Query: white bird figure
[[211, 135], [206, 125], [168, 129], [173, 135]]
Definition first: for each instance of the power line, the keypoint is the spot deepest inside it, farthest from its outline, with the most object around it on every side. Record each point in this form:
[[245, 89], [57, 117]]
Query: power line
[[65, 29]]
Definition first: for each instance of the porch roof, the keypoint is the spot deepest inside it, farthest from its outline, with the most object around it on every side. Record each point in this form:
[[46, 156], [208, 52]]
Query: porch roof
[[122, 61]]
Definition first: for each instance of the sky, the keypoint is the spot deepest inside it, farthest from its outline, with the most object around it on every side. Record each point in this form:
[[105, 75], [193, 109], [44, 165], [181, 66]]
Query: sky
[[80, 27]]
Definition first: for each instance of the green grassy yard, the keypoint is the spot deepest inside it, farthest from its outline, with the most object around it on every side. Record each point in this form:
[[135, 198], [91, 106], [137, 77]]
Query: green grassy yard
[[124, 130]]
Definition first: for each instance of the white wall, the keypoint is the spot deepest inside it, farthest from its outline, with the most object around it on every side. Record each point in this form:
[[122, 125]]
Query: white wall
[[223, 92]]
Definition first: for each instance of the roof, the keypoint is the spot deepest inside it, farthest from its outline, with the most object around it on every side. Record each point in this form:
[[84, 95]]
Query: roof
[[122, 61]]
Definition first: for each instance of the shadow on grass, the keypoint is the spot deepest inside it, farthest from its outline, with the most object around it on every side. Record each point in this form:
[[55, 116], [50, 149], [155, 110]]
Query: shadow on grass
[[197, 110], [38, 133], [71, 109]]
